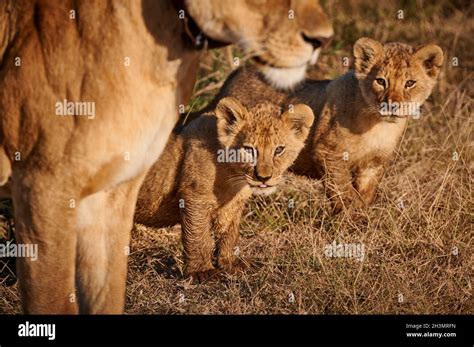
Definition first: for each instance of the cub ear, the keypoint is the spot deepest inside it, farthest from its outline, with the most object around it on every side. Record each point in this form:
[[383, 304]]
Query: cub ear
[[431, 57], [230, 114], [367, 53], [300, 118]]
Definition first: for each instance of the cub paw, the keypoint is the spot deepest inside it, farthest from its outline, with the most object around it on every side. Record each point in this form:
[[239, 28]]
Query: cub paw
[[204, 276], [236, 266]]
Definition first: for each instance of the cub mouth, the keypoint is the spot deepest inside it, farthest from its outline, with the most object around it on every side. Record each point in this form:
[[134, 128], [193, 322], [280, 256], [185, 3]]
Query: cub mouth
[[262, 188]]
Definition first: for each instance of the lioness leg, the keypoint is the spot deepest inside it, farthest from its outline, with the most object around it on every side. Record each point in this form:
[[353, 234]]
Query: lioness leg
[[104, 223], [44, 217], [5, 167]]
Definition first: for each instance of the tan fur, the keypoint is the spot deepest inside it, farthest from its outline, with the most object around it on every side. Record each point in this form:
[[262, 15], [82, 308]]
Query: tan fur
[[282, 52], [5, 167], [191, 185], [349, 124], [82, 226]]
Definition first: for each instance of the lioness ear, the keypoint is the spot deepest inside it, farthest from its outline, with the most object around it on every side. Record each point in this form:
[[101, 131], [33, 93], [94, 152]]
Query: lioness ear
[[300, 118], [431, 58], [229, 113], [367, 53]]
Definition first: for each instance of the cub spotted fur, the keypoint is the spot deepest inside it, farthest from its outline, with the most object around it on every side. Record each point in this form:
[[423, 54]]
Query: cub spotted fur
[[195, 184], [361, 115]]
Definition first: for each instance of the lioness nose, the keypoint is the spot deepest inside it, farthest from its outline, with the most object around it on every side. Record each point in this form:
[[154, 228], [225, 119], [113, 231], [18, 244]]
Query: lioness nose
[[318, 41]]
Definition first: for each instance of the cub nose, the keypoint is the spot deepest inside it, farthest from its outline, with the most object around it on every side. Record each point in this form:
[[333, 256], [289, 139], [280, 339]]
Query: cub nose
[[317, 41], [263, 179], [263, 176]]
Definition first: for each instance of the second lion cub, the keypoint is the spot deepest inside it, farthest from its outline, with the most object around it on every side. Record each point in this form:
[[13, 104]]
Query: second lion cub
[[211, 167], [361, 115]]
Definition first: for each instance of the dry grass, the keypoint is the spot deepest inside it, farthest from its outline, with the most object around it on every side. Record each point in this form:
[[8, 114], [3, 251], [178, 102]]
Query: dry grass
[[418, 235]]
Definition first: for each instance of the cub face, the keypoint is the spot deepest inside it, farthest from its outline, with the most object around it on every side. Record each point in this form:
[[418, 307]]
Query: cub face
[[396, 78], [267, 141], [283, 36]]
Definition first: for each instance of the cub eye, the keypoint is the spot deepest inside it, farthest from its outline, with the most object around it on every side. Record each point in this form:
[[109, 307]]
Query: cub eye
[[279, 150], [380, 81], [249, 150], [409, 83]]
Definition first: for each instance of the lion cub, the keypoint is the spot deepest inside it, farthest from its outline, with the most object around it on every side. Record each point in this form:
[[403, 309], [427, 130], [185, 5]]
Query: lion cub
[[211, 167], [362, 114]]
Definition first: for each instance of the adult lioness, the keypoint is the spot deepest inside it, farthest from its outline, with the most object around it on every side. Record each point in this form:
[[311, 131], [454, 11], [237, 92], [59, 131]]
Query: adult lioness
[[120, 68]]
